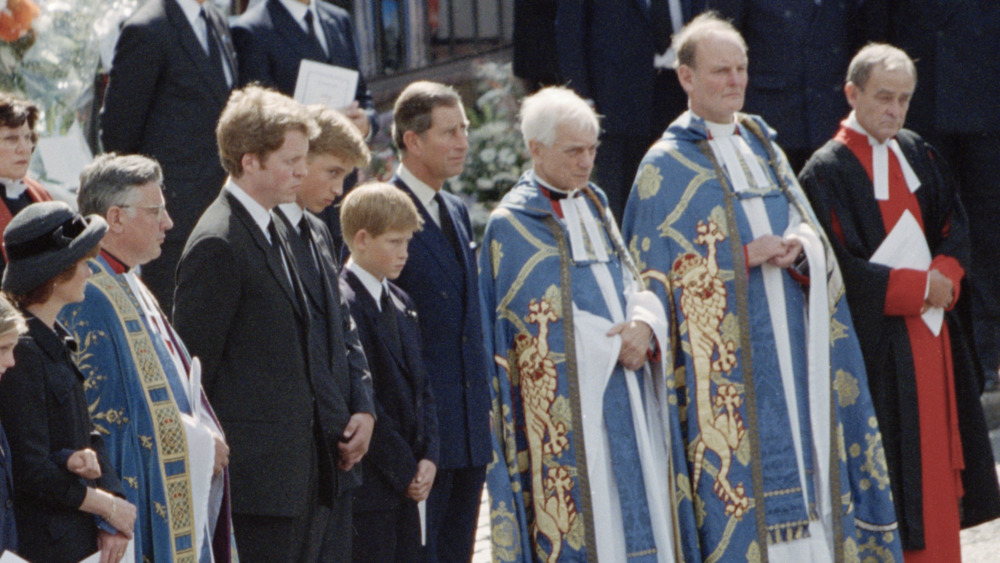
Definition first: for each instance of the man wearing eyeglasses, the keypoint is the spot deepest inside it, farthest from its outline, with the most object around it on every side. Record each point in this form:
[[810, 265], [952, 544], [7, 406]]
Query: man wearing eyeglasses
[[17, 142], [162, 435]]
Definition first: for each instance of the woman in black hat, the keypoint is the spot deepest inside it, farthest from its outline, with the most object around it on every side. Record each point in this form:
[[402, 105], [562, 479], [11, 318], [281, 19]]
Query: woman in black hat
[[61, 471]]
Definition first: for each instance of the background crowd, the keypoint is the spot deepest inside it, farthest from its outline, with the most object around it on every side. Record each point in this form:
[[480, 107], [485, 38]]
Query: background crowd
[[215, 359]]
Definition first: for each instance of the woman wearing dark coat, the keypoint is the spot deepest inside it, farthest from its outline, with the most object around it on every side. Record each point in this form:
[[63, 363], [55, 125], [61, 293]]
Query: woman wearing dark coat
[[62, 478]]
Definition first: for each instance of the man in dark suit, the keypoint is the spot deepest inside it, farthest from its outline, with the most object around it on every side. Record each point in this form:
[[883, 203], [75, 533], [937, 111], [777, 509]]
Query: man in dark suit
[[274, 37], [173, 69], [429, 129], [333, 154], [241, 308], [611, 52], [379, 221]]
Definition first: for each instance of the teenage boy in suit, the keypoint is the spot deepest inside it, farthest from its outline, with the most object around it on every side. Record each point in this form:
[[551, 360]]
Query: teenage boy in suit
[[333, 155], [378, 221]]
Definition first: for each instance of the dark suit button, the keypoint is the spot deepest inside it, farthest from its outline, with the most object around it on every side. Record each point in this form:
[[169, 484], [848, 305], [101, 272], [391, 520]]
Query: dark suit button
[[9, 503], [464, 339], [444, 294]]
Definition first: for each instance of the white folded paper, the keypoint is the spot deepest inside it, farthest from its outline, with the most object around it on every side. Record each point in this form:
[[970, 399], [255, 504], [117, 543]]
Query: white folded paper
[[906, 247], [320, 83]]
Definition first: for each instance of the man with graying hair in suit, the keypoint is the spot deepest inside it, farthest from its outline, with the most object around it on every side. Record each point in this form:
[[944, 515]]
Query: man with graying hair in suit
[[173, 70], [241, 308]]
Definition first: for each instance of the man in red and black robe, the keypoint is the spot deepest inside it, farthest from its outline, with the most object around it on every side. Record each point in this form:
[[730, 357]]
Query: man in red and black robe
[[872, 178]]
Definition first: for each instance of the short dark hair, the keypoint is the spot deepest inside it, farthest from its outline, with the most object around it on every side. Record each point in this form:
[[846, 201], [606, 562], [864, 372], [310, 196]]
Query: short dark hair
[[110, 178], [15, 112], [414, 105]]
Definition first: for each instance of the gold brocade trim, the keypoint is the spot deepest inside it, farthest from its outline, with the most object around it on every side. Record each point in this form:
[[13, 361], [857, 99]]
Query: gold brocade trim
[[569, 340], [746, 357], [171, 439]]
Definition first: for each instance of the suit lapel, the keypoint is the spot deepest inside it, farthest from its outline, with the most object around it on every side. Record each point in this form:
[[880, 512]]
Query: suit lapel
[[189, 42], [293, 33], [435, 242], [271, 258], [372, 312]]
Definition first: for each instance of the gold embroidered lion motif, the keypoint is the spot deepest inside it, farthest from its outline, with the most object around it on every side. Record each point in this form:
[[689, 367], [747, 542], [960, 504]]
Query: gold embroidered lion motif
[[703, 302]]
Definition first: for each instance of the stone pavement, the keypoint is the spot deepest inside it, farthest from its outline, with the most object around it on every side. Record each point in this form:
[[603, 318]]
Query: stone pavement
[[979, 545]]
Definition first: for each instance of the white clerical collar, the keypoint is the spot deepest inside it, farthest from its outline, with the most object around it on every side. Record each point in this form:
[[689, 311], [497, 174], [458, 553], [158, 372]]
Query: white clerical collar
[[880, 161], [293, 213], [371, 283], [551, 188], [735, 154], [260, 215], [15, 188], [720, 130]]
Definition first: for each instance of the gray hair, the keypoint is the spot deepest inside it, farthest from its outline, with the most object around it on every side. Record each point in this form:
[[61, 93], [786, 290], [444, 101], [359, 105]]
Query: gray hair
[[110, 179], [413, 108], [685, 41], [550, 107], [875, 54]]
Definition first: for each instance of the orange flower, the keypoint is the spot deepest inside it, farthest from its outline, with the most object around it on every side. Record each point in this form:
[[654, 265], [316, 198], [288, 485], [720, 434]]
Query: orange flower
[[16, 18]]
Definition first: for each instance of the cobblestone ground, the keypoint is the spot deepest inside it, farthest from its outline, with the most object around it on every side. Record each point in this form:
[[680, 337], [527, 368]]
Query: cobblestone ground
[[979, 545]]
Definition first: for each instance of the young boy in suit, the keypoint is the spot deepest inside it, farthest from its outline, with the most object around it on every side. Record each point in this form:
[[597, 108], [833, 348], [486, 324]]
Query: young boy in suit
[[378, 221]]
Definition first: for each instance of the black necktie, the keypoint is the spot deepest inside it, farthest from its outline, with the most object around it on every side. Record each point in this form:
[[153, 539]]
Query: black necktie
[[311, 30], [390, 327], [447, 227], [214, 54]]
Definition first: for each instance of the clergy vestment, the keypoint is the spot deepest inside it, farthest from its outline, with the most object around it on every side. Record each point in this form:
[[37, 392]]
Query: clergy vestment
[[924, 385], [158, 436], [580, 443], [777, 451]]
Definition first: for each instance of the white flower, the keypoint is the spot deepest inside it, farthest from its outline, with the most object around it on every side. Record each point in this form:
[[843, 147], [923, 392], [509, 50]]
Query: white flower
[[507, 157], [488, 155]]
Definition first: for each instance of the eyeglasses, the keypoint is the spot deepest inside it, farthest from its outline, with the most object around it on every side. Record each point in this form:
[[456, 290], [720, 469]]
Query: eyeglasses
[[159, 209]]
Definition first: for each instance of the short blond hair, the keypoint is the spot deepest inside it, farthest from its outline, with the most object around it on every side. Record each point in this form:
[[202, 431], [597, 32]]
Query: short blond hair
[[337, 137], [377, 207], [255, 121], [11, 320]]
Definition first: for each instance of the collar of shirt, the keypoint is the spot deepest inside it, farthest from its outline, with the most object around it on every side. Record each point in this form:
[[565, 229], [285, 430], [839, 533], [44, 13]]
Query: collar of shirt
[[423, 192], [15, 188], [192, 11], [852, 123], [560, 194], [117, 266], [294, 214], [370, 282], [298, 11], [257, 212]]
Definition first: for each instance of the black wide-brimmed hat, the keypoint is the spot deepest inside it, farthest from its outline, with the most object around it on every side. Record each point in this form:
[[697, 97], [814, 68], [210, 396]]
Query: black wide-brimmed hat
[[44, 240]]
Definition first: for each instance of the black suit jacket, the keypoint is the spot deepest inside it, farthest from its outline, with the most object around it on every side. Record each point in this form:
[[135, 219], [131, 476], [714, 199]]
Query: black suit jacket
[[406, 431], [45, 416], [271, 45], [164, 99], [347, 388], [238, 313]]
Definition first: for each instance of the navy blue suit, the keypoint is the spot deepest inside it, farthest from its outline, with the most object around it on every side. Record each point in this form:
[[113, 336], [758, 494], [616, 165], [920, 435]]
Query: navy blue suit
[[405, 433], [606, 50], [800, 96], [445, 290]]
